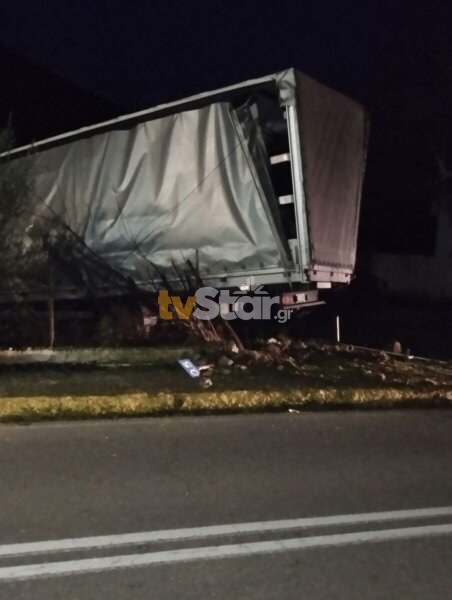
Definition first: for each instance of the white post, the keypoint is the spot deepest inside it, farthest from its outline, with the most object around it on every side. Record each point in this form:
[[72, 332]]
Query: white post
[[338, 329]]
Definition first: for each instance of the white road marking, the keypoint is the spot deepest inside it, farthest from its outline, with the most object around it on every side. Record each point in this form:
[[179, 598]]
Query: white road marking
[[168, 535], [109, 563]]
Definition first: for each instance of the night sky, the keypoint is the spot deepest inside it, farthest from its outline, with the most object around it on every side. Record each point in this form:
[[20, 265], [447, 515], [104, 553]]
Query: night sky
[[394, 57], [140, 52]]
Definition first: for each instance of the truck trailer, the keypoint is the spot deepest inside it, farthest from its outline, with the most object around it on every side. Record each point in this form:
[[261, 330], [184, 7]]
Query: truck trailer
[[257, 182]]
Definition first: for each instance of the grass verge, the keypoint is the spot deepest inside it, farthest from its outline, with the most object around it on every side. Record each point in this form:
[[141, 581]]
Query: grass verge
[[327, 379], [136, 405]]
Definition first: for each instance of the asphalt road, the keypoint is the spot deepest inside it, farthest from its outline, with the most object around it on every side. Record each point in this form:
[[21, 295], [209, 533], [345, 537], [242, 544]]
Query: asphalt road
[[255, 507]]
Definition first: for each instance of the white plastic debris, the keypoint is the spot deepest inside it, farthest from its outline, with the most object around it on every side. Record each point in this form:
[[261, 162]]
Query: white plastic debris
[[231, 346], [224, 361]]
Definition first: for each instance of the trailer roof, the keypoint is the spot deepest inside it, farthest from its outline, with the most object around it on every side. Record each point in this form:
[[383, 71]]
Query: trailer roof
[[156, 112]]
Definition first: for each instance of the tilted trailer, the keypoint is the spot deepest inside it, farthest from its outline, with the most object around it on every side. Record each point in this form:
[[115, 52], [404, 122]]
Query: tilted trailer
[[259, 181]]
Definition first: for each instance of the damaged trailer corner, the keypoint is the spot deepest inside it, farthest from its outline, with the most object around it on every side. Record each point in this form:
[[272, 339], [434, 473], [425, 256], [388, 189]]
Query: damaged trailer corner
[[259, 181]]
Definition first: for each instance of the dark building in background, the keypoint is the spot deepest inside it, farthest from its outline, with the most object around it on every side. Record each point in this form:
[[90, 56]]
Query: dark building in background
[[40, 104]]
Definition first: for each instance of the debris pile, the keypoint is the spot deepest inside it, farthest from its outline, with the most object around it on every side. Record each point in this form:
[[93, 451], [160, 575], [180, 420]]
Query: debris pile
[[330, 364]]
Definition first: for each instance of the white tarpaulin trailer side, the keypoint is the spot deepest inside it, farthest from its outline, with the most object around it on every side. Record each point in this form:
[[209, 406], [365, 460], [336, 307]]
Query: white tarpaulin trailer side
[[160, 193], [192, 181]]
